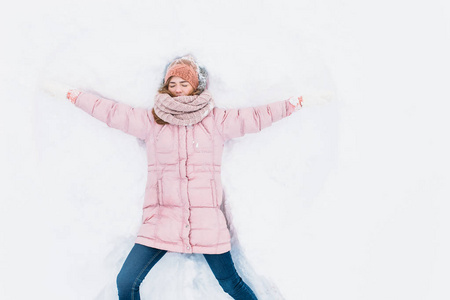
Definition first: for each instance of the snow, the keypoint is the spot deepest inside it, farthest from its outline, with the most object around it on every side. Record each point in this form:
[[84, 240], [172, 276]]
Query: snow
[[344, 201]]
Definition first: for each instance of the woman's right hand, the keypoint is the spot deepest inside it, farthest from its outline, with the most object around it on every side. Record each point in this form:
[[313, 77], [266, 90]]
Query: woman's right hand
[[59, 90], [72, 95]]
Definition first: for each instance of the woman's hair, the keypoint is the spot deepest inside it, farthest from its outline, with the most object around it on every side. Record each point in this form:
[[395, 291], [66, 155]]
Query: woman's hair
[[164, 89], [158, 119]]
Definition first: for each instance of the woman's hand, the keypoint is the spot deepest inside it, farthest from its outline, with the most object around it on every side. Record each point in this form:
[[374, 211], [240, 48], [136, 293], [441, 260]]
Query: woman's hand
[[72, 95], [297, 102], [311, 100], [59, 90]]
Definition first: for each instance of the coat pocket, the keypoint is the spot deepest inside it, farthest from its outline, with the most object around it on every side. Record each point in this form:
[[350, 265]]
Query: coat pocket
[[160, 192], [214, 192]]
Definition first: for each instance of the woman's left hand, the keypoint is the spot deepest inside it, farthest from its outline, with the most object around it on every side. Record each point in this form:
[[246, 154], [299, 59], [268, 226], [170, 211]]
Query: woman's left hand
[[296, 102]]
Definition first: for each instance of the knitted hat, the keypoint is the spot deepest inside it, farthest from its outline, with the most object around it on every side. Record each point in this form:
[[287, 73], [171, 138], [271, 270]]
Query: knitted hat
[[184, 71], [187, 68]]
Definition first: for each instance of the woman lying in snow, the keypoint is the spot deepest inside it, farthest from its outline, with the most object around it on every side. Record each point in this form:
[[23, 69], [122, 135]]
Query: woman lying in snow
[[184, 135]]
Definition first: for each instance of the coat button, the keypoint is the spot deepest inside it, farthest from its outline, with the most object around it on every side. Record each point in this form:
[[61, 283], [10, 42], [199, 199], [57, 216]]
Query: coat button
[[187, 226], [188, 247]]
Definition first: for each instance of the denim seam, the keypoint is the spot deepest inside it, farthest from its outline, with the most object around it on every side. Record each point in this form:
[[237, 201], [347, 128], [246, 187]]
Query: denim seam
[[134, 283]]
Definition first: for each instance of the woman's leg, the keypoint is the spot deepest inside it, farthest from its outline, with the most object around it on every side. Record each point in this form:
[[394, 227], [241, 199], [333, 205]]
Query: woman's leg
[[138, 263], [223, 268]]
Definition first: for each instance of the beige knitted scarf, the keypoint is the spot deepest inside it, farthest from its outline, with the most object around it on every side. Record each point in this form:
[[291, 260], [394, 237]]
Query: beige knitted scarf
[[183, 110]]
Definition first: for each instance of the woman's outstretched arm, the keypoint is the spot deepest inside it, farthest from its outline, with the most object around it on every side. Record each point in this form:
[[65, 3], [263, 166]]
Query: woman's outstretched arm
[[134, 121], [237, 122]]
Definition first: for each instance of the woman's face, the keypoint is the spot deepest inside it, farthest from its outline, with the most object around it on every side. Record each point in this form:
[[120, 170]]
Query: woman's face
[[179, 87]]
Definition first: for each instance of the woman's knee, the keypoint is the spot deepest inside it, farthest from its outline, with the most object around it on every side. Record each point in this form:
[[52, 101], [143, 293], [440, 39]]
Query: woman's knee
[[125, 283]]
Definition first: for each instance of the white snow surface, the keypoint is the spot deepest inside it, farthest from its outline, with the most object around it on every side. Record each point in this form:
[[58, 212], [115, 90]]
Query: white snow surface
[[343, 201]]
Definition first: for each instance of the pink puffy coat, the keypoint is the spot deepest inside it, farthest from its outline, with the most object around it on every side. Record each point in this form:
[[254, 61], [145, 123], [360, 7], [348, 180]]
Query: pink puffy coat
[[183, 193]]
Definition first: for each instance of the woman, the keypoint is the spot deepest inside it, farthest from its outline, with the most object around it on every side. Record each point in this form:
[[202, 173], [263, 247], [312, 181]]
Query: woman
[[184, 135]]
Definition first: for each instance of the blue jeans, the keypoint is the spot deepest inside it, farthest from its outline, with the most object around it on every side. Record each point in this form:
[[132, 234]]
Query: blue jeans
[[142, 259]]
